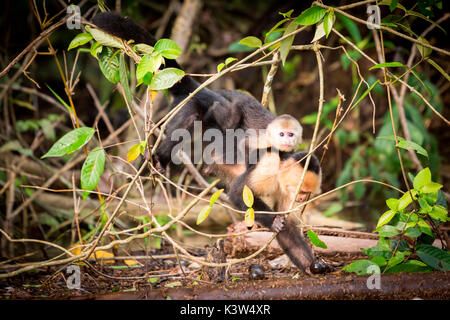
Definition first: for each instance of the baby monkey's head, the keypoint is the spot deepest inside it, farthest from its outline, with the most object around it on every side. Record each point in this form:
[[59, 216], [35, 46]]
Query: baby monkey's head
[[284, 133]]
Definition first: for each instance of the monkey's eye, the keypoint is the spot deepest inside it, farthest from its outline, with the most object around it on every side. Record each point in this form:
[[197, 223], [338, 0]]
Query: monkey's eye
[[291, 134], [281, 134]]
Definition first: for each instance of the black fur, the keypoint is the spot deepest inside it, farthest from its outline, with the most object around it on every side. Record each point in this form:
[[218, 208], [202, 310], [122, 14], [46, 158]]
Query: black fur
[[224, 109]]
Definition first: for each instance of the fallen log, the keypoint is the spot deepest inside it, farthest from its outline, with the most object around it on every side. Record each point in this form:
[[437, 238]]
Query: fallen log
[[399, 286]]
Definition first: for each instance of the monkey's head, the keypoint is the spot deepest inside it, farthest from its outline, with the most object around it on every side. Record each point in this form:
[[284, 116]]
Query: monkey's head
[[284, 133]]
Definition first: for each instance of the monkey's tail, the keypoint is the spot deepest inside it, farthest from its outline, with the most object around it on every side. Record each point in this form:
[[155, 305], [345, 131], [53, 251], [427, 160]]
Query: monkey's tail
[[127, 29], [293, 244]]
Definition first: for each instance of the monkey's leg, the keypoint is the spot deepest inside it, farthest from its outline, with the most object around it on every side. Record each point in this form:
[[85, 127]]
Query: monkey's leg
[[293, 244]]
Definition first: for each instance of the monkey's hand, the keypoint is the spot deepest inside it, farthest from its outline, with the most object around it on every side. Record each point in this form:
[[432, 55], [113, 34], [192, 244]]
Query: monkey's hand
[[156, 161], [278, 223]]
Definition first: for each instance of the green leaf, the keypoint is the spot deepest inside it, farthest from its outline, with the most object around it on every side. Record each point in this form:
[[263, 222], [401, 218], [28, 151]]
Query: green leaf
[[95, 49], [421, 16], [166, 78], [250, 217], [393, 5], [424, 51], [410, 266], [431, 187], [247, 196], [425, 228], [314, 238], [167, 48], [379, 260], [220, 67], [424, 206], [365, 93], [92, 169], [386, 217], [310, 16], [351, 27], [173, 284], [285, 45], [328, 22], [360, 267], [105, 38], [109, 65], [387, 231], [203, 214], [251, 41], [229, 60], [413, 232], [148, 63], [405, 200], [439, 213], [392, 204], [79, 40], [215, 196], [123, 72], [359, 190], [333, 209], [439, 68], [422, 178], [60, 100], [275, 27], [70, 142], [143, 48], [388, 65], [134, 152], [434, 257], [406, 144]]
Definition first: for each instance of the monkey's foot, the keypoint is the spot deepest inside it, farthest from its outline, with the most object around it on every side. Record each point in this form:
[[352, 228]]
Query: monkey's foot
[[278, 223]]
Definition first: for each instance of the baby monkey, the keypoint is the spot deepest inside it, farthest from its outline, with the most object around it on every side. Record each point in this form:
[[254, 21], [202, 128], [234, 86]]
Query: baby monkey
[[275, 192], [264, 147]]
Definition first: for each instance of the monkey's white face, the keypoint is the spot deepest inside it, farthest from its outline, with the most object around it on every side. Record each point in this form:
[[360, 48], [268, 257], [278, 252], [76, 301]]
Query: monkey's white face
[[284, 133], [284, 139]]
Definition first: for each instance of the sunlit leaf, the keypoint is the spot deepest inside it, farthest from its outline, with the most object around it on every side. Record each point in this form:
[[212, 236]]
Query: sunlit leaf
[[167, 48], [79, 40], [314, 238], [203, 214], [250, 217], [247, 196], [311, 16], [92, 169], [215, 196], [251, 41], [70, 142], [166, 78]]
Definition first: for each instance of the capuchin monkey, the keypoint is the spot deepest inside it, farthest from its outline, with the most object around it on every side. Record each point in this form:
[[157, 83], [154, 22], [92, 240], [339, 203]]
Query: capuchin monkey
[[273, 181], [281, 136], [224, 109]]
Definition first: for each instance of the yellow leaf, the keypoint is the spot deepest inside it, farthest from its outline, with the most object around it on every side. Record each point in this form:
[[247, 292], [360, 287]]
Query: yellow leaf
[[130, 262], [134, 152], [100, 254], [247, 195], [203, 214], [153, 94], [250, 217], [75, 249], [215, 196]]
